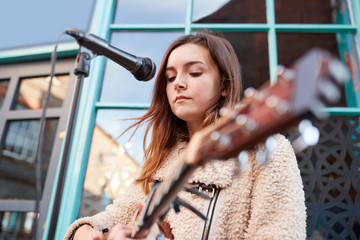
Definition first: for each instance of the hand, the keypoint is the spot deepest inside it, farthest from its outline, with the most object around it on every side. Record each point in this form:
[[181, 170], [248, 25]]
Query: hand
[[123, 232], [86, 232]]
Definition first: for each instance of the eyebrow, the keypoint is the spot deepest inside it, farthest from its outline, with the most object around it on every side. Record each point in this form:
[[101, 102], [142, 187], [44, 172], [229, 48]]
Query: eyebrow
[[188, 64]]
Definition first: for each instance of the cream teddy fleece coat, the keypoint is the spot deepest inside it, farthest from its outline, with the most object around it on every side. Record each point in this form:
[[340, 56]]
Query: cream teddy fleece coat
[[257, 202]]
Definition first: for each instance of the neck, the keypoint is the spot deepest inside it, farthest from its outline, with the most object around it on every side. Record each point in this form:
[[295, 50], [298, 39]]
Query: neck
[[192, 128]]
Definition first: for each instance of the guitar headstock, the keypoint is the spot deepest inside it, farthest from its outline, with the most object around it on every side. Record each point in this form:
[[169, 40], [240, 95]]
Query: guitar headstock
[[309, 85], [318, 76]]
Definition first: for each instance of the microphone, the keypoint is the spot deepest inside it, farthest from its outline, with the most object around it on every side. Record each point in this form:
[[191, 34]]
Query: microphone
[[143, 69]]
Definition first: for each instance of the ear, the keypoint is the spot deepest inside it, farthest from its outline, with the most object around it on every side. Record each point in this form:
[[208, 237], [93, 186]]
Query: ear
[[224, 93]]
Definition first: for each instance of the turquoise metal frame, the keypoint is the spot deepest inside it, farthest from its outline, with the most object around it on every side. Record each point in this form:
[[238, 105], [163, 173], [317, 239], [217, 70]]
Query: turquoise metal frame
[[37, 53]]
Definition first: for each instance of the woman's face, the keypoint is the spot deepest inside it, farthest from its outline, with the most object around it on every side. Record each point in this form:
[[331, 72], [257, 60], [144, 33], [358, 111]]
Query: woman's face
[[193, 82]]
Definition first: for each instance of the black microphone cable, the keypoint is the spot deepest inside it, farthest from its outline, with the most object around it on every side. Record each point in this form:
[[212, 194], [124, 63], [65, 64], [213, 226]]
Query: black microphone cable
[[40, 146]]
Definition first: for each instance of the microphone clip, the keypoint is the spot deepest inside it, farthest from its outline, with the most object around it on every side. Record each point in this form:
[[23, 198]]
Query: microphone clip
[[82, 62]]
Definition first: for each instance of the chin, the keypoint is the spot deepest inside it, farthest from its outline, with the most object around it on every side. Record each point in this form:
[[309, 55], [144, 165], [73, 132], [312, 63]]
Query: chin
[[188, 117], [186, 114]]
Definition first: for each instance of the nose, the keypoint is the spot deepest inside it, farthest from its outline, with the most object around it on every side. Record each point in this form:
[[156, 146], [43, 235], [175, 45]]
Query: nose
[[179, 83]]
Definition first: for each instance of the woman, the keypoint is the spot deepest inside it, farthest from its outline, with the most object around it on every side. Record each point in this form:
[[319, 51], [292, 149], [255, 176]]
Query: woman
[[198, 76]]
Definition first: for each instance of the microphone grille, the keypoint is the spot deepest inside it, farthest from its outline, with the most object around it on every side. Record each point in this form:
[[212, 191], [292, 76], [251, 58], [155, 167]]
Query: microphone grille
[[146, 71]]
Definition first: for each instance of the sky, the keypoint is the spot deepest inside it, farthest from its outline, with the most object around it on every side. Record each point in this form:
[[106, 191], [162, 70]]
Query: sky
[[36, 22]]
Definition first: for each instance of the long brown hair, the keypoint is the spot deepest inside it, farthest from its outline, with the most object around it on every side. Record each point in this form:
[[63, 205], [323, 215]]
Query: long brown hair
[[167, 129]]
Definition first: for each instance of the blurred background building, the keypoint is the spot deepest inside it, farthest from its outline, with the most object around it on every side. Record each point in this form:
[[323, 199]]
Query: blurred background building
[[98, 166]]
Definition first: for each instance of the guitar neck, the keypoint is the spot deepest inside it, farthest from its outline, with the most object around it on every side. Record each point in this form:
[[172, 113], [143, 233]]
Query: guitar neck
[[164, 196], [302, 88]]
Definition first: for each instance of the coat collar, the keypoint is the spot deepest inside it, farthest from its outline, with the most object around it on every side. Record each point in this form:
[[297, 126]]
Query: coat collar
[[218, 172]]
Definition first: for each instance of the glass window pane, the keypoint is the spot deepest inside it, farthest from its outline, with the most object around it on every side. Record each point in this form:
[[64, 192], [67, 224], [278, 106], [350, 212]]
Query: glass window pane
[[225, 11], [292, 46], [309, 11], [252, 52], [155, 11], [119, 84], [4, 83], [16, 225], [32, 92], [18, 154], [112, 165]]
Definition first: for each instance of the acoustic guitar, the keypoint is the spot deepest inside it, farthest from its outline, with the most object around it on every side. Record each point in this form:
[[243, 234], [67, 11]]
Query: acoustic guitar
[[306, 86]]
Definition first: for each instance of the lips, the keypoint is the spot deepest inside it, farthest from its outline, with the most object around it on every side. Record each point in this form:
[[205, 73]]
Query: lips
[[181, 98]]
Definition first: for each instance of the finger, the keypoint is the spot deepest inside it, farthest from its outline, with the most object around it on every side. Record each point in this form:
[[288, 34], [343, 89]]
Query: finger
[[120, 232], [140, 205], [142, 234]]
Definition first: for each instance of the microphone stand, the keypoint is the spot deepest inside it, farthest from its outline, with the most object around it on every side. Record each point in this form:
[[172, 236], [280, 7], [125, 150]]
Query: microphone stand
[[81, 70]]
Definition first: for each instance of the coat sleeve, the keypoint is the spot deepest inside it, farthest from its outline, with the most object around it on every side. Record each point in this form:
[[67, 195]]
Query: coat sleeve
[[278, 203], [121, 211]]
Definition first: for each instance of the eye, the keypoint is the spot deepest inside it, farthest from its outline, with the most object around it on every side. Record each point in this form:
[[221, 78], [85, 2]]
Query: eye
[[195, 74], [170, 79]]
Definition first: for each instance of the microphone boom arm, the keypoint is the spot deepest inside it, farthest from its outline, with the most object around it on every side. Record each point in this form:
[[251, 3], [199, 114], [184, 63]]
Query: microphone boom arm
[[143, 69]]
